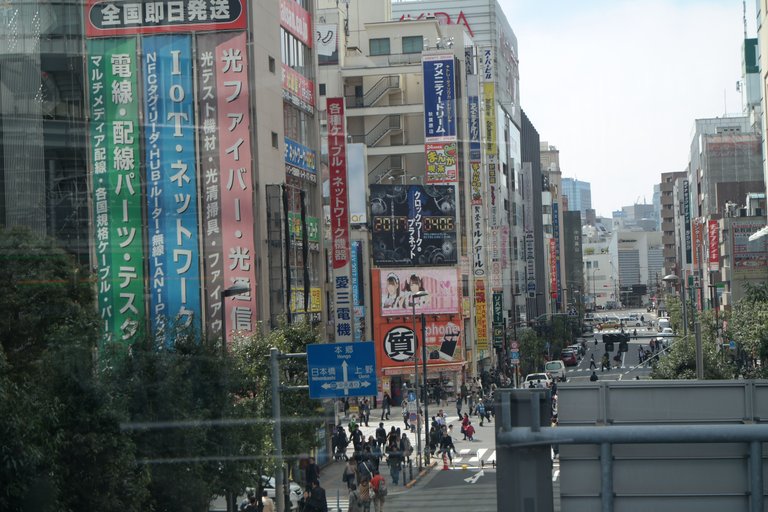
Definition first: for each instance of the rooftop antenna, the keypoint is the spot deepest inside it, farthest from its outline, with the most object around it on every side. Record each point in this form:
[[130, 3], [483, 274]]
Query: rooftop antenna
[[744, 15]]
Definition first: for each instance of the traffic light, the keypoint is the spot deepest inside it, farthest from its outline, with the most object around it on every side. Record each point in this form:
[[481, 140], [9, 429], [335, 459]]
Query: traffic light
[[623, 342]]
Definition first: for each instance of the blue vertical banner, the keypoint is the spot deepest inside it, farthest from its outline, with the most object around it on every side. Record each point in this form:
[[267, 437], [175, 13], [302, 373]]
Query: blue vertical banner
[[439, 97], [169, 118], [358, 301], [556, 236]]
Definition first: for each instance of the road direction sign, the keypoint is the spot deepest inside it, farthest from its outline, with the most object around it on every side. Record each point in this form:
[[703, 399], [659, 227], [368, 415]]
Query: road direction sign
[[341, 369]]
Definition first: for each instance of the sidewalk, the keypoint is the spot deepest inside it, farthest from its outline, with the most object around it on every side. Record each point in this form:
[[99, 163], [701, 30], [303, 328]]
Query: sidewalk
[[330, 475]]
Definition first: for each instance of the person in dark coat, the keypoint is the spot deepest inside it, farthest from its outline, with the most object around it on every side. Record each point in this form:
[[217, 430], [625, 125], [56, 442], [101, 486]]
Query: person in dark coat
[[386, 405], [317, 502], [312, 472]]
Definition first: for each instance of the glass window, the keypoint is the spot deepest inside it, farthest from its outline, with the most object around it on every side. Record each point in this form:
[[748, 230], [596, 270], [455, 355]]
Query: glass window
[[413, 44], [379, 46]]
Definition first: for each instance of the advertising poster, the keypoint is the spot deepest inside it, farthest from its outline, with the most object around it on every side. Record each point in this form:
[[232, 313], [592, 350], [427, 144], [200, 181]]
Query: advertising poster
[[750, 259], [114, 141], [357, 174], [489, 119], [300, 161], [208, 147], [481, 315], [398, 285], [169, 141], [442, 162], [106, 18], [236, 183], [339, 209], [556, 237], [296, 20], [552, 268], [439, 97], [413, 225], [298, 89], [714, 244], [687, 222]]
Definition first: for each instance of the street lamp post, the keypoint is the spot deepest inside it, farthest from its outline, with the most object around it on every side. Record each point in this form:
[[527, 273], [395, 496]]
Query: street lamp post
[[415, 296], [235, 289]]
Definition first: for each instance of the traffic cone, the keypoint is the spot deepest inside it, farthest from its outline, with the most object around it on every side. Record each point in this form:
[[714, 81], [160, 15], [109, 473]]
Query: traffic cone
[[445, 462]]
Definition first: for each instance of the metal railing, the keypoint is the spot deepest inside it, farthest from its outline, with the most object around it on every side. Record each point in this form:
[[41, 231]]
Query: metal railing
[[382, 128], [375, 93]]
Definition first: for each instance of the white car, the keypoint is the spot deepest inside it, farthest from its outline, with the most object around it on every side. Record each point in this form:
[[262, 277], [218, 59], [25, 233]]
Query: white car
[[537, 380], [219, 503], [667, 331]]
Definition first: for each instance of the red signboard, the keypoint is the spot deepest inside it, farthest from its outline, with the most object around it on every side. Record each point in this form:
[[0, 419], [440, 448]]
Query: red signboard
[[298, 89], [714, 244], [553, 268], [107, 18], [296, 20], [337, 163]]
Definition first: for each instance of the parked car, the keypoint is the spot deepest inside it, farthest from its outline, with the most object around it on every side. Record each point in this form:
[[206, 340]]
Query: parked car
[[537, 380], [667, 331], [568, 357], [219, 503], [580, 348]]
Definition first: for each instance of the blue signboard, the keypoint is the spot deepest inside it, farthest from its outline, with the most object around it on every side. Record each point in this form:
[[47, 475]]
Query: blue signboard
[[439, 97], [474, 126], [169, 120], [341, 369], [300, 161]]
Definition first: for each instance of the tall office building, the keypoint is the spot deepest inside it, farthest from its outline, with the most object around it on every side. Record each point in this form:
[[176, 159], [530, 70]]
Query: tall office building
[[579, 194]]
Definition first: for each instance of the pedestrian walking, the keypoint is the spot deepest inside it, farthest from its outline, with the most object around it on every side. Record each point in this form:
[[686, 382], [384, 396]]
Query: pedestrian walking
[[355, 503], [405, 413], [311, 472], [605, 363], [395, 462], [406, 448], [471, 402], [250, 504], [446, 445], [349, 476], [458, 406], [267, 504], [386, 406], [381, 435], [364, 489], [592, 364], [469, 432], [480, 411], [365, 411], [379, 488], [315, 499]]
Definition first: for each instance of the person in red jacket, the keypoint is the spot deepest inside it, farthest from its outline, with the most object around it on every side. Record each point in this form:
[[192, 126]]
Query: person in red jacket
[[469, 431], [464, 423]]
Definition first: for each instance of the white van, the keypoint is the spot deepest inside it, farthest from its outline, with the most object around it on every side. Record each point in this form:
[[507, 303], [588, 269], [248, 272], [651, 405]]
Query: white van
[[555, 369], [662, 324]]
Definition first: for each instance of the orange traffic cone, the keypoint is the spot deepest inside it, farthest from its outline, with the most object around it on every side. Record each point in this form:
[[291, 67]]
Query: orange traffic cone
[[445, 462]]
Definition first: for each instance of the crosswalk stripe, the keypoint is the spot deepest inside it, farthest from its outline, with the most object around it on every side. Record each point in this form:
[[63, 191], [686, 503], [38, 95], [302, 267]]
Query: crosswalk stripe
[[479, 455], [463, 452], [492, 458]]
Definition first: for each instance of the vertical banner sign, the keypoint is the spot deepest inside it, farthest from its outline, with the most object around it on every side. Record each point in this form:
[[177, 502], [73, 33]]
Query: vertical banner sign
[[556, 236], [530, 241], [696, 241], [687, 223], [208, 144], [498, 319], [342, 289], [489, 125], [487, 64], [481, 316], [553, 268], [477, 179], [117, 187], [440, 118], [358, 299], [171, 185], [714, 245], [236, 182]]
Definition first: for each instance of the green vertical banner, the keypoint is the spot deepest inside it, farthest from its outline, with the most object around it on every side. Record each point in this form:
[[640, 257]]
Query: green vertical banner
[[114, 134], [498, 319]]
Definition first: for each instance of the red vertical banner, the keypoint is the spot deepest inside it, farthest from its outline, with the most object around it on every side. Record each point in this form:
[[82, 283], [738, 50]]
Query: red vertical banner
[[236, 181], [340, 252], [714, 245], [553, 268]]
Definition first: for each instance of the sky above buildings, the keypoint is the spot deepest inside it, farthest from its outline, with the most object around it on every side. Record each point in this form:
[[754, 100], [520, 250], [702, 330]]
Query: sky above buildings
[[616, 85]]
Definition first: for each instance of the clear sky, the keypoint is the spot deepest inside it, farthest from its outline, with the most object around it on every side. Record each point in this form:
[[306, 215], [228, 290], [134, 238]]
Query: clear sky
[[616, 85]]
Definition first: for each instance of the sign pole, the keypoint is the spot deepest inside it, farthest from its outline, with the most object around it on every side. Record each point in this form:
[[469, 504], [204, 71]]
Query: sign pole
[[426, 396], [274, 354]]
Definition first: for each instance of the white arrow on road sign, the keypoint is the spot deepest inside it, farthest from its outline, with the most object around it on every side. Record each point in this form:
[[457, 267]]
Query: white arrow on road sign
[[474, 479], [344, 376]]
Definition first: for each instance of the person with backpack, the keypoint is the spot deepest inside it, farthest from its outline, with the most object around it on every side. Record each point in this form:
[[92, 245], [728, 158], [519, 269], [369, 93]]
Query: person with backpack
[[406, 448], [480, 410], [349, 476], [380, 491]]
